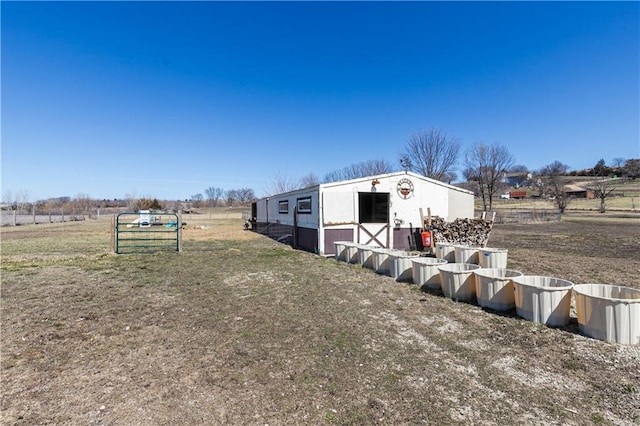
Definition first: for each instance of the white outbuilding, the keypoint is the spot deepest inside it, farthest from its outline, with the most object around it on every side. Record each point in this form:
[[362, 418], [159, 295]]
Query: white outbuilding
[[381, 210]]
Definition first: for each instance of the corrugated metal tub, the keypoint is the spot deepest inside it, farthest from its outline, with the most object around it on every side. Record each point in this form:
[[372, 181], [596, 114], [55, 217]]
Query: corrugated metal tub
[[608, 312], [494, 288], [545, 300], [457, 281], [424, 271]]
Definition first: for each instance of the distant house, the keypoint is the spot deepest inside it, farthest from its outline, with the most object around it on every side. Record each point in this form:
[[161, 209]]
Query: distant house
[[576, 191], [517, 179]]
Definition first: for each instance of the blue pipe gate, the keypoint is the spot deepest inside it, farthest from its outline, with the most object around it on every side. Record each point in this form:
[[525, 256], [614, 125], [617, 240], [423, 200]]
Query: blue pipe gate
[[147, 232]]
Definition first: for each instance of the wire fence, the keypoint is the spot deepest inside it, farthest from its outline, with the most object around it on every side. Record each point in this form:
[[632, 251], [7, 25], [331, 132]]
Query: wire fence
[[527, 216], [35, 217], [90, 234]]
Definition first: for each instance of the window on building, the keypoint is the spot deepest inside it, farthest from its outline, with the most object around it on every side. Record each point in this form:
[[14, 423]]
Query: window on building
[[283, 207], [304, 205], [374, 207]]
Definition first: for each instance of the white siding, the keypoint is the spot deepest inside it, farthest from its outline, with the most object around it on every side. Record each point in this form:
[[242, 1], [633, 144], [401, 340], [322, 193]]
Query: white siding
[[339, 206], [425, 195], [460, 205], [335, 205], [341, 199]]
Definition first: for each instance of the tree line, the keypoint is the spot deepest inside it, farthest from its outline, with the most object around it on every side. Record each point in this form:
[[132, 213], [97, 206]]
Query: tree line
[[432, 153], [81, 203], [215, 197], [218, 197]]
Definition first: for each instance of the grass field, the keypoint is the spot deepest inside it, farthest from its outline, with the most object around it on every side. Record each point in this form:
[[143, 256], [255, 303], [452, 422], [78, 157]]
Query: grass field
[[239, 329], [625, 197], [616, 204]]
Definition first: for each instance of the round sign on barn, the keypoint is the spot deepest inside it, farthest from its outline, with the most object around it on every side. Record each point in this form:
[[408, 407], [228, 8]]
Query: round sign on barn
[[405, 188]]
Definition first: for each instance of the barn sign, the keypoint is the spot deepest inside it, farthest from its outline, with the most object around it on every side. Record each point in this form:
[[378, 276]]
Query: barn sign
[[405, 188]]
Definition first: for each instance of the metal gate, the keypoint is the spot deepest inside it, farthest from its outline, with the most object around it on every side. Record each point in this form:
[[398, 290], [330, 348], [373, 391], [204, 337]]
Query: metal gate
[[147, 232]]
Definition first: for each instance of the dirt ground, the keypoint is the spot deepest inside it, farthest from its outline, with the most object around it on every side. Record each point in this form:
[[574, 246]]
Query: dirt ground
[[239, 329]]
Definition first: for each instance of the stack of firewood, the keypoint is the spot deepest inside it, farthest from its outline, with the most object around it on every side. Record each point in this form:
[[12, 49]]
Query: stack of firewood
[[473, 232]]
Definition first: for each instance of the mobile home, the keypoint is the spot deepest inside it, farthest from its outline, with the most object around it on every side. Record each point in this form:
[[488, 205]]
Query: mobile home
[[381, 210]]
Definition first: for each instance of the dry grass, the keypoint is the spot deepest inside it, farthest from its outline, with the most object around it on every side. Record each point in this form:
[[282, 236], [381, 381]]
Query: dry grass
[[624, 198], [613, 205], [241, 330]]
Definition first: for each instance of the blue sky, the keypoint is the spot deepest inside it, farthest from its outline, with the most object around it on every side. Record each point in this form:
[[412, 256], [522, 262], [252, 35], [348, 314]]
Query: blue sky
[[165, 99]]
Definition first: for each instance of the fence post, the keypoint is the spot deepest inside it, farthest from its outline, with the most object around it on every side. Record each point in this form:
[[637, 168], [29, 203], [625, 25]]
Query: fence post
[[62, 214], [15, 217], [113, 233], [179, 226], [34, 214]]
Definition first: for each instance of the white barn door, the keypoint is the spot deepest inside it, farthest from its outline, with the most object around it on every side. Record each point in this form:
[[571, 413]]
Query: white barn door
[[373, 219], [374, 234]]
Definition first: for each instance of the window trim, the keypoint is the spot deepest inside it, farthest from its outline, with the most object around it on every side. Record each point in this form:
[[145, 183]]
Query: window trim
[[371, 214], [283, 207], [302, 210]]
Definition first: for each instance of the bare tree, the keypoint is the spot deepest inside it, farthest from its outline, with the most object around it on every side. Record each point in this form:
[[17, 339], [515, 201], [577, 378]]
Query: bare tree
[[82, 204], [604, 184], [618, 162], [7, 198], [632, 168], [22, 200], [359, 170], [604, 188], [231, 197], [309, 180], [18, 200], [431, 153], [213, 195], [449, 177], [245, 196], [61, 201], [50, 204], [485, 164], [196, 200], [551, 175], [131, 201], [281, 182], [374, 167]]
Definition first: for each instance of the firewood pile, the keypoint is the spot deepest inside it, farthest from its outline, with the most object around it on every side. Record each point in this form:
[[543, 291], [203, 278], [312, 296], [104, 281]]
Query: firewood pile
[[473, 232]]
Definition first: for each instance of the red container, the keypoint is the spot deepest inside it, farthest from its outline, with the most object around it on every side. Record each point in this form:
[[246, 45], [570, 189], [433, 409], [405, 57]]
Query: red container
[[426, 239]]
